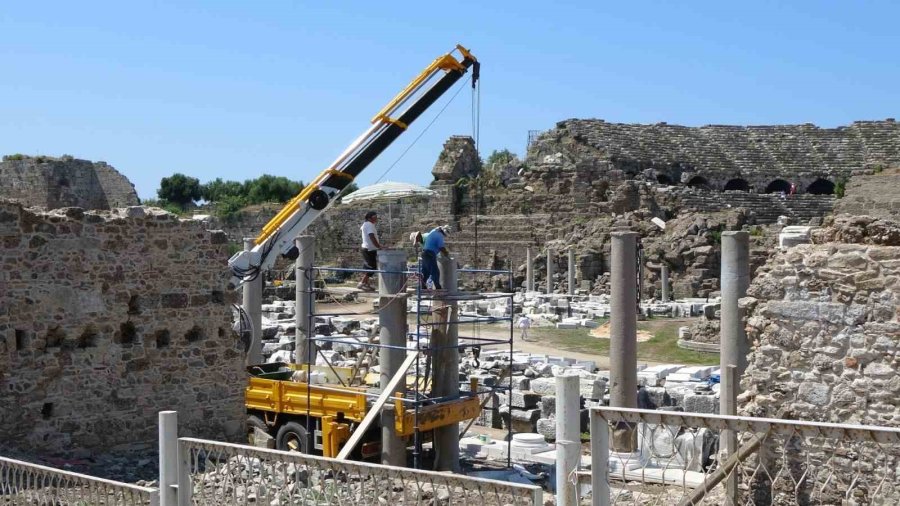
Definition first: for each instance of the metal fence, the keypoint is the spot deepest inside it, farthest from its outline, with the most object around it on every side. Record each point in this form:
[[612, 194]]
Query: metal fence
[[35, 485], [676, 459], [223, 473]]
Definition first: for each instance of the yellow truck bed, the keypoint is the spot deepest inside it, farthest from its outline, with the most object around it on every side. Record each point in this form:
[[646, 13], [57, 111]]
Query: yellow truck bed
[[291, 398]]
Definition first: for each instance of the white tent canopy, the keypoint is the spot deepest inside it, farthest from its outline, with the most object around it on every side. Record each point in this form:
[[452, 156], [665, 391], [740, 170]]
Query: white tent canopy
[[388, 190]]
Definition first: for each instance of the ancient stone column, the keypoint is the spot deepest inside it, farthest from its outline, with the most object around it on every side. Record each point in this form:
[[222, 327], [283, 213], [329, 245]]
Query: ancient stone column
[[446, 368], [304, 349], [392, 317], [529, 270], [735, 279], [551, 268], [252, 303], [623, 334], [571, 273], [664, 280]]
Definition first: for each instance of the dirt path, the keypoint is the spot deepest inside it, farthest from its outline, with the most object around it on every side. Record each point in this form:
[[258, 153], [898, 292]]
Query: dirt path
[[534, 345]]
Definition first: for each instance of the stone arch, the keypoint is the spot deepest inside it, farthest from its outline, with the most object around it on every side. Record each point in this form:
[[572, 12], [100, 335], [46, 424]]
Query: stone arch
[[778, 186], [664, 179], [737, 184], [699, 182], [821, 186]]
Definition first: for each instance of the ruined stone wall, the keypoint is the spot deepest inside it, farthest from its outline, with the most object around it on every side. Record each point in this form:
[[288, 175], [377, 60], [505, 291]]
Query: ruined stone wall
[[716, 155], [52, 183], [825, 328], [107, 318], [874, 194]]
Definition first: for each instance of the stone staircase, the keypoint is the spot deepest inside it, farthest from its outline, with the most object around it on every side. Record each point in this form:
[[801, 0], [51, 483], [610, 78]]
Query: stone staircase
[[767, 206], [509, 235]]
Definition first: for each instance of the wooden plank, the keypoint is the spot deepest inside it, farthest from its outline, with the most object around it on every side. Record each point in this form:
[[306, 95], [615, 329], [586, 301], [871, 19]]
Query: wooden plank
[[387, 392]]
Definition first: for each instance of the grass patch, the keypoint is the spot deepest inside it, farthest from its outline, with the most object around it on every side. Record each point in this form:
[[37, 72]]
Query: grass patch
[[661, 347]]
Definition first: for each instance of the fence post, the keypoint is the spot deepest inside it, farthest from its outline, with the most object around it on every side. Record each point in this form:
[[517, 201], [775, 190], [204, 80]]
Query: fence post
[[185, 487], [168, 458], [567, 459], [599, 459]]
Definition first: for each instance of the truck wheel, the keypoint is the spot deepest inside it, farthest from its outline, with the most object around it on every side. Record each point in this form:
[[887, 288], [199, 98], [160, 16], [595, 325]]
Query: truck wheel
[[292, 437], [255, 422]]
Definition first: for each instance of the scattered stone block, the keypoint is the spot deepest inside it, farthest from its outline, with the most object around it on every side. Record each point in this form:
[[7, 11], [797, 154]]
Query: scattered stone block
[[696, 403], [520, 420], [524, 399], [548, 406]]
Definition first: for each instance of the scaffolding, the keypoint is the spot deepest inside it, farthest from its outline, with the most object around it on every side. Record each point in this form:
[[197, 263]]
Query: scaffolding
[[432, 312]]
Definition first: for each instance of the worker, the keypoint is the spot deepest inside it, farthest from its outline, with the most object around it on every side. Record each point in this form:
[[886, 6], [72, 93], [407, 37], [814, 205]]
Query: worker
[[369, 249], [433, 243]]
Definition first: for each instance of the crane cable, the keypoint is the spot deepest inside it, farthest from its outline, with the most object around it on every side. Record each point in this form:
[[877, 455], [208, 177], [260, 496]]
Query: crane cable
[[413, 143]]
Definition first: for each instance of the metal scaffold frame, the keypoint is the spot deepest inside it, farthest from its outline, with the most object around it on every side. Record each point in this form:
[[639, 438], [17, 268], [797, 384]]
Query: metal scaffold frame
[[419, 342]]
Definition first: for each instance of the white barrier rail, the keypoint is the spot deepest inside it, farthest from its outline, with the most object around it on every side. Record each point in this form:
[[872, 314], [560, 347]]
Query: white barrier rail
[[676, 460], [224, 473], [35, 485]]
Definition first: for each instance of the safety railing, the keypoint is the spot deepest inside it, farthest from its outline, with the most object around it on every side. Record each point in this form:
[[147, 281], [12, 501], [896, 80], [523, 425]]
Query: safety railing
[[223, 473], [660, 457], [32, 484]]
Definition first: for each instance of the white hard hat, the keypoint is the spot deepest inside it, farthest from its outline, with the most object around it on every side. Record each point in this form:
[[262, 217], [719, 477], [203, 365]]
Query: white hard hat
[[415, 237], [445, 229]]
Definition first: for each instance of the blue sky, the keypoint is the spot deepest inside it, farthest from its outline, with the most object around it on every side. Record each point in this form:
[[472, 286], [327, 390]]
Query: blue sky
[[237, 89]]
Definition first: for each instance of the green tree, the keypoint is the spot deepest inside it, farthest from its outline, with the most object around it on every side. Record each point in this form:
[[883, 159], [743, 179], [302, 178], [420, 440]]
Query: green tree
[[267, 188], [179, 189], [502, 157], [218, 189]]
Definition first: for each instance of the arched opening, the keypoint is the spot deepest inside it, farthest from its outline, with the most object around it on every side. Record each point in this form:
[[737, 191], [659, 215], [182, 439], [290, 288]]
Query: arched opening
[[778, 186], [699, 182], [664, 179], [821, 187], [737, 185]]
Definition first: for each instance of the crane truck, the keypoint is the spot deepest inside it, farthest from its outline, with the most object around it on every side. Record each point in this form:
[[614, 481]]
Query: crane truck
[[278, 234], [290, 411]]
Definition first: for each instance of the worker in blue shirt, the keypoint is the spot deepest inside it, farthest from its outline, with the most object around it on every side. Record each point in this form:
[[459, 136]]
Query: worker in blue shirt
[[432, 245]]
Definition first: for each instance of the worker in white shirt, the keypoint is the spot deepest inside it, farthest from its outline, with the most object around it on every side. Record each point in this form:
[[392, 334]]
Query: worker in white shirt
[[369, 249]]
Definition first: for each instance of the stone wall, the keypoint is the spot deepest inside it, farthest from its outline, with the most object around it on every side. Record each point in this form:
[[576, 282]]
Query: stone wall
[[52, 183], [749, 158], [874, 194], [825, 328], [107, 318]]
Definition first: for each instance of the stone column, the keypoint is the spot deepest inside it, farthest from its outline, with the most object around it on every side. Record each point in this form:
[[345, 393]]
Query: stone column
[[735, 279], [623, 334], [304, 349], [551, 268], [392, 317], [252, 303], [529, 270], [664, 280], [446, 368], [571, 273]]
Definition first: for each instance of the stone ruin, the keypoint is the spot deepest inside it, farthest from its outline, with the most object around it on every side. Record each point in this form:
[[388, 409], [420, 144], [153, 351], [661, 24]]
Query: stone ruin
[[52, 183], [824, 322], [106, 318]]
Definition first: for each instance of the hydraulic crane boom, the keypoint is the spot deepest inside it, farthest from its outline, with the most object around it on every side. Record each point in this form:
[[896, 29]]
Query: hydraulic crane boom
[[391, 121]]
